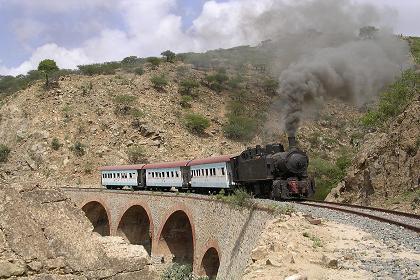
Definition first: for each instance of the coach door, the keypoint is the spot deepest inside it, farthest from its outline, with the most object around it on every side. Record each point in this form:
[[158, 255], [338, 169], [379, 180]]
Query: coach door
[[186, 176]]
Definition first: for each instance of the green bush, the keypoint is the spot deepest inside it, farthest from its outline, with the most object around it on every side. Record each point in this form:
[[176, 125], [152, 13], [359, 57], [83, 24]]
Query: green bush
[[327, 174], [188, 87], [393, 101], [107, 68], [185, 101], [136, 154], [240, 128], [240, 198], [170, 56], [47, 66], [159, 82], [178, 272], [270, 86], [4, 153], [124, 99], [130, 60], [55, 144], [217, 81], [154, 61], [139, 71], [78, 149], [136, 113], [196, 123]]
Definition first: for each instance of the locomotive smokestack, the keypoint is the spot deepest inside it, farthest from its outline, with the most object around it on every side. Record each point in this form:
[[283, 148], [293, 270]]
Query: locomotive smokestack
[[292, 141]]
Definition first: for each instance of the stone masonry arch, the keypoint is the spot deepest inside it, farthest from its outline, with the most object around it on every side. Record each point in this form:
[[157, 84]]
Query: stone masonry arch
[[98, 216], [210, 260], [176, 237], [136, 226]]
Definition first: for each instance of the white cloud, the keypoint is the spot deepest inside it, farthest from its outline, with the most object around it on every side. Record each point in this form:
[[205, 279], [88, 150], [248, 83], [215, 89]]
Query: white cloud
[[150, 27]]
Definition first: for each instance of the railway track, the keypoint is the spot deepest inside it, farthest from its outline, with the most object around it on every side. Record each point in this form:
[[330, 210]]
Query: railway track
[[401, 219]]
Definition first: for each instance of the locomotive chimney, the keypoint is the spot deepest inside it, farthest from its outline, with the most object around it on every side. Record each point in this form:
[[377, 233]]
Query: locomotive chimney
[[292, 141]]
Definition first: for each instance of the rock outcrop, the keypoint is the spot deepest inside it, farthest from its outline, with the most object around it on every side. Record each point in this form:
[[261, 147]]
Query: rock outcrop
[[386, 170], [44, 236]]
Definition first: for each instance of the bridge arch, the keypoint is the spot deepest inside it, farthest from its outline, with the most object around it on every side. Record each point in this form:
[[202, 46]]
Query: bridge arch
[[176, 237], [210, 261], [98, 215], [136, 226]]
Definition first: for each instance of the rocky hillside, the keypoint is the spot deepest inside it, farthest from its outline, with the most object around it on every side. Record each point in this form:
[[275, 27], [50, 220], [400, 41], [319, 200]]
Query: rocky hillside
[[61, 135], [35, 245], [386, 170]]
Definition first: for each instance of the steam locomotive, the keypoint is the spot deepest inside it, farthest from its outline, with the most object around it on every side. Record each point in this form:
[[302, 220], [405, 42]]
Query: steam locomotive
[[268, 172]]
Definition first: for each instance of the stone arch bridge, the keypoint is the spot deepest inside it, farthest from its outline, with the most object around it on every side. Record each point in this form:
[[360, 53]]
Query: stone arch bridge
[[214, 237]]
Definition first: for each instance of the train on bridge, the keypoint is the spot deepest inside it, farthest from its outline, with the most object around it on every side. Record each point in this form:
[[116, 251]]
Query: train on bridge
[[269, 172]]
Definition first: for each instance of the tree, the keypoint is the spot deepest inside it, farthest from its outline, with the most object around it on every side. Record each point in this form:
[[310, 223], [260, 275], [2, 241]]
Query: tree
[[129, 60], [170, 56], [47, 66]]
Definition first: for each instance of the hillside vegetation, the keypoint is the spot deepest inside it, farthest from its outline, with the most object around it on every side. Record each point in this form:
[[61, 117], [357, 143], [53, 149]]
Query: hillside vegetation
[[153, 109]]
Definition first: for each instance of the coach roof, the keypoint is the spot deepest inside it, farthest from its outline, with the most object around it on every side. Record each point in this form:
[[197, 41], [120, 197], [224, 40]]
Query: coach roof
[[121, 167], [210, 160], [166, 164]]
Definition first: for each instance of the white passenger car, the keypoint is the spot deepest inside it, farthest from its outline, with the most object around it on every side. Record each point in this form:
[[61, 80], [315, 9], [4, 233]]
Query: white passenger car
[[120, 176], [165, 175], [214, 172]]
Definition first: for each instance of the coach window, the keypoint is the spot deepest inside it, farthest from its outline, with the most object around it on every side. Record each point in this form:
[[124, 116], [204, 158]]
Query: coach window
[[177, 174], [223, 171], [207, 172]]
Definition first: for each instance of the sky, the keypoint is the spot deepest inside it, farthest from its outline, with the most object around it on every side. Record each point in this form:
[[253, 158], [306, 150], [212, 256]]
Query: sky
[[75, 32]]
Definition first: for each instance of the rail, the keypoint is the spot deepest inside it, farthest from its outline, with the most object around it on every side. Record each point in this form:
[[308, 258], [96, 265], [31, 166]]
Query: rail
[[412, 221]]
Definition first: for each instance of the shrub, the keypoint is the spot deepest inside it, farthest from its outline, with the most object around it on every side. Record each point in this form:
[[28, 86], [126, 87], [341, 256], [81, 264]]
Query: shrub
[[393, 101], [78, 149], [188, 86], [183, 71], [129, 60], [124, 99], [136, 154], [178, 272], [136, 113], [154, 61], [87, 88], [159, 82], [4, 153], [185, 101], [47, 66], [139, 71], [240, 128], [216, 81], [170, 56], [240, 198], [328, 174], [196, 123], [55, 144], [107, 68], [270, 86]]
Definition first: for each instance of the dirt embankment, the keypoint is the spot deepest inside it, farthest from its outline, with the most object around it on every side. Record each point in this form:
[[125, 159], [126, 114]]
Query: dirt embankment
[[294, 249]]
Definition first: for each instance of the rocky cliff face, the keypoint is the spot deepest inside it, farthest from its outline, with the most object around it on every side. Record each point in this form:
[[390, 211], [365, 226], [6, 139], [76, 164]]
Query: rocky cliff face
[[43, 236], [386, 170]]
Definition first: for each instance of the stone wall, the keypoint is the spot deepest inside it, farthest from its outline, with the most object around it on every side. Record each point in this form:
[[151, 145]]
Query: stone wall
[[233, 232]]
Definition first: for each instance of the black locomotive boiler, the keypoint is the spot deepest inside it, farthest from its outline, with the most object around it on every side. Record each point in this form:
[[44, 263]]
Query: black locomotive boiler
[[272, 172]]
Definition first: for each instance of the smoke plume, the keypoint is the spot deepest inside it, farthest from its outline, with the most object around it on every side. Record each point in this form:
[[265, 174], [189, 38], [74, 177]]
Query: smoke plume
[[324, 49]]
